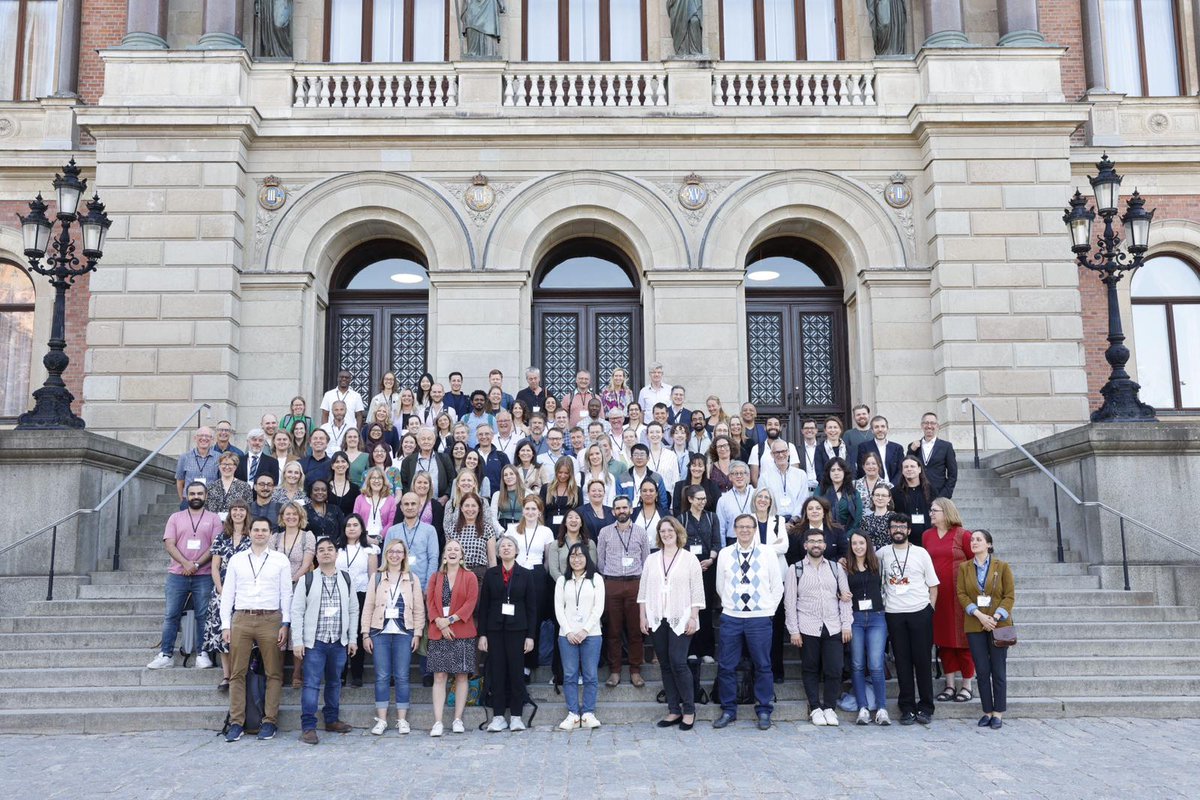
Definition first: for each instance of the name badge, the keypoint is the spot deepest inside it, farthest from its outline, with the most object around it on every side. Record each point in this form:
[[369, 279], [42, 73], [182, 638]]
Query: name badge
[[193, 544], [983, 600], [391, 613], [332, 611], [627, 561], [626, 484], [557, 519], [508, 609], [697, 549], [785, 501], [445, 611], [537, 409], [200, 479], [223, 515], [918, 519], [864, 605], [901, 588]]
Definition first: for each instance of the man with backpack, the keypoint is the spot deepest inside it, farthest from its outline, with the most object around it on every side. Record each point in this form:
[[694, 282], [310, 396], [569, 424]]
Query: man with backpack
[[256, 606], [325, 626], [819, 617]]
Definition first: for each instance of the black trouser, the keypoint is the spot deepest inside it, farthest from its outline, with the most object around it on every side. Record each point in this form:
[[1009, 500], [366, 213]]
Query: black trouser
[[991, 668], [505, 676], [912, 645], [543, 602], [704, 643], [821, 660], [672, 652], [354, 665], [778, 633]]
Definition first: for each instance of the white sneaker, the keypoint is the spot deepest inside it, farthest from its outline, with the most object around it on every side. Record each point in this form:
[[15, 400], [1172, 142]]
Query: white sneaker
[[379, 727], [436, 730], [497, 725], [203, 662], [882, 718], [831, 717], [402, 726], [818, 717], [708, 660], [161, 661], [589, 721], [570, 723], [864, 717], [516, 724], [458, 727]]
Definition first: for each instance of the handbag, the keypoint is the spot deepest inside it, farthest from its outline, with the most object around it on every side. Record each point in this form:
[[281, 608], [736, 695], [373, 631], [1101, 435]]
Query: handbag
[[1005, 637]]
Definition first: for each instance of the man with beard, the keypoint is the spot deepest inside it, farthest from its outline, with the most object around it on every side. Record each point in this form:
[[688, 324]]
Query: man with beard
[[761, 454], [621, 550], [910, 592], [188, 539], [859, 434]]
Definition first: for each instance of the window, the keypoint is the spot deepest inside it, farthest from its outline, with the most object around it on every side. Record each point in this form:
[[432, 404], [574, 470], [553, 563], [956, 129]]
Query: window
[[780, 30], [1141, 47], [1166, 326], [584, 30], [28, 33], [360, 31], [586, 264], [790, 263], [16, 339]]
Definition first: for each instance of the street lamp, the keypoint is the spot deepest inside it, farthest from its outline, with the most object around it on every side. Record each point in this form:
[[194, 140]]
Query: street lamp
[[1121, 402], [52, 409]]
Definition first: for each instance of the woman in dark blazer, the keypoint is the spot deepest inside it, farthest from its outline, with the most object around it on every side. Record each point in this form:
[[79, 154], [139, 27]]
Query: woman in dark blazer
[[986, 594], [913, 495], [508, 613]]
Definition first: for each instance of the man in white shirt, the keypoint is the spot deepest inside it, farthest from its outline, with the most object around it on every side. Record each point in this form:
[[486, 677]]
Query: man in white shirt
[[337, 427], [507, 437], [787, 484], [937, 455], [353, 400], [698, 440], [808, 452], [655, 392], [256, 607], [910, 588], [736, 501], [616, 429], [761, 454], [437, 406], [750, 586]]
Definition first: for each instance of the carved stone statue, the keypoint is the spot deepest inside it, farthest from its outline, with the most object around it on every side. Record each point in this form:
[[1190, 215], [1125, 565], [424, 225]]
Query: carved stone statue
[[687, 26], [480, 24], [273, 21], [889, 19]]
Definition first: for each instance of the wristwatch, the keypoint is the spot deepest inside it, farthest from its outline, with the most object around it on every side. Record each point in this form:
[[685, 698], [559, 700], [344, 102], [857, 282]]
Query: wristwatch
[[196, 564]]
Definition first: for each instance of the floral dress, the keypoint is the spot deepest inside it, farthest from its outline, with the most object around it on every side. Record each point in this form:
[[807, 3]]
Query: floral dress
[[224, 548]]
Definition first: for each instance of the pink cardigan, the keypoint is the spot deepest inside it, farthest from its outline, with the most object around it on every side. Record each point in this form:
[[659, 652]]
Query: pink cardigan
[[387, 512]]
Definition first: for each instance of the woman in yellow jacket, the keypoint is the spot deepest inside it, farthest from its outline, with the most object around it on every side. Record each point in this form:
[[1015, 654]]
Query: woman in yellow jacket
[[985, 592]]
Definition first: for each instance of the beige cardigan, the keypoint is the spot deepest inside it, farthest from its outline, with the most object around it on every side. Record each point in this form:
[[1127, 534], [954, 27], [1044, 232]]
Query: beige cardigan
[[684, 590], [378, 590]]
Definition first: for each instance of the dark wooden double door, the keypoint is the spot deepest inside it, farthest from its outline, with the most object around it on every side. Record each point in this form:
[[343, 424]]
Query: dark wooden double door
[[579, 332], [373, 335]]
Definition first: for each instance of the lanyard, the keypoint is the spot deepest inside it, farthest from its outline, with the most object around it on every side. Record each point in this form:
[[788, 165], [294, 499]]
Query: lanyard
[[987, 565], [907, 553], [350, 561], [393, 591], [625, 540], [742, 504], [329, 593], [195, 525], [375, 505], [525, 538], [578, 589], [658, 461], [667, 567], [256, 572], [283, 548], [203, 466]]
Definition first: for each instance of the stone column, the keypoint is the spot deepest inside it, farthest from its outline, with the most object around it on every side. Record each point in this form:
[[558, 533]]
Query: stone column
[[1019, 23], [146, 25], [222, 26], [944, 23], [66, 82], [1093, 45]]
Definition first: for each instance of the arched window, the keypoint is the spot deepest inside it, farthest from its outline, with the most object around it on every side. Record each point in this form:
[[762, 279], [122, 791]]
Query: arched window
[[378, 315], [790, 263], [1166, 328], [1141, 47], [780, 30], [586, 264], [28, 36], [583, 30], [16, 339], [387, 30]]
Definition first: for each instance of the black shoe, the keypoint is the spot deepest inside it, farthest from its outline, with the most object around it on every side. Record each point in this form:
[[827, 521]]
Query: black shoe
[[997, 723], [669, 723], [924, 718], [726, 719], [764, 722], [686, 726], [356, 683], [777, 678], [984, 721], [427, 681], [908, 718], [661, 697]]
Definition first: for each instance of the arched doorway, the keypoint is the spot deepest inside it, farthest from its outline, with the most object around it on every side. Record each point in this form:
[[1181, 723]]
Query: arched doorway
[[1166, 327], [587, 314], [378, 315], [796, 333]]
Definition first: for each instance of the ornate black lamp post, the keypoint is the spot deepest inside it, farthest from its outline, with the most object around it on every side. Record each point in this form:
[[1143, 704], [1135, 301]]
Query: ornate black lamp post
[[53, 407], [1121, 402]]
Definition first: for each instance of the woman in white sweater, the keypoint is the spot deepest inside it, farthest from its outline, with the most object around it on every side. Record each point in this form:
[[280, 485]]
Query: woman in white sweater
[[671, 595], [578, 604]]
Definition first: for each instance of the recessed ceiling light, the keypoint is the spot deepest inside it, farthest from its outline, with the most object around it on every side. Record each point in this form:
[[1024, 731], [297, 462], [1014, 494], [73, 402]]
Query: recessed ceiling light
[[406, 277], [762, 275]]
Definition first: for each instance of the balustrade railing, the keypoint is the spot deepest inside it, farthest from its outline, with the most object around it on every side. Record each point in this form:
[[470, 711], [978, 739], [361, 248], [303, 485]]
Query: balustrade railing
[[526, 88], [383, 89], [831, 87]]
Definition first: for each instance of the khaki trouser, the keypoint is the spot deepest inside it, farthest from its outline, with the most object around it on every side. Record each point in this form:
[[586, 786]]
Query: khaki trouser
[[246, 631]]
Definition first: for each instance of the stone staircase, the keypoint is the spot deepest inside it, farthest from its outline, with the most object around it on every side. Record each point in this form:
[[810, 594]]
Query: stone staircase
[[77, 665]]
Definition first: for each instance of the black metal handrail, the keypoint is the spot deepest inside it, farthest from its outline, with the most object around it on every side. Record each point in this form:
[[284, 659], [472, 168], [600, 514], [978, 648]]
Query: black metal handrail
[[1122, 516], [80, 512]]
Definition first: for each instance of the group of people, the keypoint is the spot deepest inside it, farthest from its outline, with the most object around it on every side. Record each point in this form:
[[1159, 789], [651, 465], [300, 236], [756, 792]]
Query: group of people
[[448, 529]]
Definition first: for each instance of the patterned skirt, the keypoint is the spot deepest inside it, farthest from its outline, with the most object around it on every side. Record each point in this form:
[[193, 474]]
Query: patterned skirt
[[453, 656], [213, 642]]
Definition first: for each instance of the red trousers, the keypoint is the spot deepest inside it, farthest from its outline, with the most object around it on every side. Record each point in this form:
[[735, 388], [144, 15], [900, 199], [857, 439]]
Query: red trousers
[[957, 659]]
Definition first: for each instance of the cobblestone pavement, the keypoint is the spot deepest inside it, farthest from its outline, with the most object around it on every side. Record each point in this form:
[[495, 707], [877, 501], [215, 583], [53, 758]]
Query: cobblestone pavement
[[1080, 758]]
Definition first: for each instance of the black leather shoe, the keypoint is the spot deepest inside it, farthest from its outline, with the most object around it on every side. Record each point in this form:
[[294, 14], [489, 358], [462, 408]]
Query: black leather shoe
[[984, 721], [908, 718], [687, 726], [669, 723], [924, 718], [764, 722], [997, 723], [726, 719], [427, 681]]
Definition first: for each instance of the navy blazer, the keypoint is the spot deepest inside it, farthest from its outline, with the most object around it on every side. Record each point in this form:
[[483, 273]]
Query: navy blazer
[[267, 465], [941, 469], [684, 417], [821, 459], [891, 460]]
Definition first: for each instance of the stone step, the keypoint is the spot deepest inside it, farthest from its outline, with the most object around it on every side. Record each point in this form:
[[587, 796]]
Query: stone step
[[1163, 631], [141, 623], [53, 659], [1105, 648], [77, 640], [1060, 582], [1106, 614], [1065, 666], [123, 591]]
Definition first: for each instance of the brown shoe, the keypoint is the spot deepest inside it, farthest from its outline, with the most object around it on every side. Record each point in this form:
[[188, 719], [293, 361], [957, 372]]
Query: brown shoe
[[636, 679], [338, 727], [613, 679], [309, 737]]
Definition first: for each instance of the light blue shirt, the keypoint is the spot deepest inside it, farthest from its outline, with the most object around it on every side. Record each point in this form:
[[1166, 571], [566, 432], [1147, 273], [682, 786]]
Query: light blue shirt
[[981, 571], [422, 545]]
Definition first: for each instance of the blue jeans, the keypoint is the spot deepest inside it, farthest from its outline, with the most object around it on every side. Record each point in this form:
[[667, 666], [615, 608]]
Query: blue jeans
[[866, 657], [578, 658], [393, 657], [176, 589], [755, 634], [324, 660]]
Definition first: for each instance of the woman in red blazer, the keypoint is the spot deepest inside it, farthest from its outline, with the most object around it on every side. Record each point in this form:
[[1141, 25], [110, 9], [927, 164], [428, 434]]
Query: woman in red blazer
[[450, 600]]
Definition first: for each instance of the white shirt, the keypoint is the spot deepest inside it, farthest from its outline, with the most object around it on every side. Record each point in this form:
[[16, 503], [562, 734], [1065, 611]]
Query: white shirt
[[881, 448], [809, 464], [789, 488], [927, 449], [256, 582], [352, 399], [760, 456], [531, 547], [336, 433], [666, 464], [649, 396], [907, 576], [356, 560], [508, 444]]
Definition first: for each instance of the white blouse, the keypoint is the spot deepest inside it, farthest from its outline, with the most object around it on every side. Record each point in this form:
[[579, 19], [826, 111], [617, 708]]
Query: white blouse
[[670, 589], [531, 547]]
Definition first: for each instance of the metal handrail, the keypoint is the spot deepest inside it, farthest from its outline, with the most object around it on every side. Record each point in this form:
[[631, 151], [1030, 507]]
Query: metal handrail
[[1122, 516], [53, 526]]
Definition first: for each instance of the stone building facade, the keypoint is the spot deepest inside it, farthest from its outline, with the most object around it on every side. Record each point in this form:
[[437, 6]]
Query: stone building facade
[[915, 199]]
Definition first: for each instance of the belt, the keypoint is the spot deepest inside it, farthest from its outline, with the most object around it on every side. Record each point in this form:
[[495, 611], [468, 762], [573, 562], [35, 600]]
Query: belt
[[622, 577], [258, 612]]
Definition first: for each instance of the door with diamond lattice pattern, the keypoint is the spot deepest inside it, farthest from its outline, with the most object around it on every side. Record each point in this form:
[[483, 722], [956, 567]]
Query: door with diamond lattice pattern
[[586, 335]]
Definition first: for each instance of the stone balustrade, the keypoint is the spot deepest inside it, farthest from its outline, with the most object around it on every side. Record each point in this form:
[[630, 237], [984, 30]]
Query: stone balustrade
[[564, 86], [819, 85], [382, 87]]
